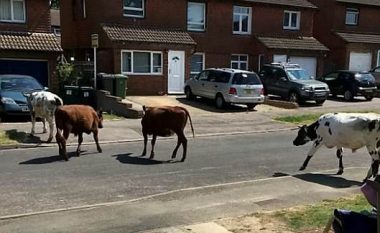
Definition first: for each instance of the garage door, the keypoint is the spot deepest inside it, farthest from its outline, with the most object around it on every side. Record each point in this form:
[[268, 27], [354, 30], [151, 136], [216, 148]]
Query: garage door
[[307, 63], [37, 69], [360, 61]]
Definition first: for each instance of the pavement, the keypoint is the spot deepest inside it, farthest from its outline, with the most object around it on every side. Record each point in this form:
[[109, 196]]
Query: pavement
[[207, 121]]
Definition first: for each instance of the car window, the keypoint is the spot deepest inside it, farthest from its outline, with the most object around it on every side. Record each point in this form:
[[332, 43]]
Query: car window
[[298, 74], [211, 77], [19, 84], [265, 72], [222, 77], [330, 77], [278, 73], [203, 76], [364, 76], [344, 76], [246, 79]]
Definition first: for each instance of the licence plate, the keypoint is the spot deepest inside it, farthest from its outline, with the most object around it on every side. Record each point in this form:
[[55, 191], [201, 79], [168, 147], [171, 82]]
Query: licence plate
[[368, 90], [248, 91], [25, 109]]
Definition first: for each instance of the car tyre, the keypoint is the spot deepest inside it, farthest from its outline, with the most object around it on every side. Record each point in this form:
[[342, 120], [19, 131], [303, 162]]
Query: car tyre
[[348, 96], [293, 97], [368, 97], [319, 102], [219, 101], [189, 94], [251, 106]]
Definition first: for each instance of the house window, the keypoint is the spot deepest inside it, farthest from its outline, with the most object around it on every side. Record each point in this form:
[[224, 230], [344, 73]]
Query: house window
[[12, 11], [292, 20], [239, 62], [141, 62], [196, 15], [197, 64], [352, 16], [133, 8], [242, 20]]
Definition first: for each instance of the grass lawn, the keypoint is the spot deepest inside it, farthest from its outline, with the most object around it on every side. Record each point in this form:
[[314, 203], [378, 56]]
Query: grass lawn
[[6, 139]]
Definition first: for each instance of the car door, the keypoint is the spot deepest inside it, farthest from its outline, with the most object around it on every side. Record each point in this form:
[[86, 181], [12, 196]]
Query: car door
[[344, 82], [281, 83], [332, 81], [266, 77], [199, 84], [209, 84]]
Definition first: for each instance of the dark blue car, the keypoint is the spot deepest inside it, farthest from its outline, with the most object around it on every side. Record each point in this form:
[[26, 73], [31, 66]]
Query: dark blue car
[[12, 100]]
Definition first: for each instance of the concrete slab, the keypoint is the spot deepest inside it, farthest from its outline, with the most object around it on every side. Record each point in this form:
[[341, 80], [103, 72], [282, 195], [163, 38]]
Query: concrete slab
[[209, 227]]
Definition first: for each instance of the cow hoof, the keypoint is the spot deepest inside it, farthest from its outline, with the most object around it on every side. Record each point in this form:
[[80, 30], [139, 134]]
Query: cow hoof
[[49, 140], [302, 168], [340, 172], [78, 153], [100, 150], [182, 160], [173, 156]]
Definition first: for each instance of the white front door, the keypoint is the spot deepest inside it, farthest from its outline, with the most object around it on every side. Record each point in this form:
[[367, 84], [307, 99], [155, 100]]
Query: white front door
[[176, 72], [360, 61], [307, 63]]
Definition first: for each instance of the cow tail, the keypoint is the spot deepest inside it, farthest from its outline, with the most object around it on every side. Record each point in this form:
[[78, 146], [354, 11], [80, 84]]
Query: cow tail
[[191, 123]]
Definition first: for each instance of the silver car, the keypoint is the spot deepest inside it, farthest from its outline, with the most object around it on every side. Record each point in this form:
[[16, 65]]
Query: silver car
[[226, 86]]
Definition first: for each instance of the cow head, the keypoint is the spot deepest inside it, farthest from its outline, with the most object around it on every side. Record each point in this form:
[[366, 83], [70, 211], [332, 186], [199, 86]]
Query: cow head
[[302, 136]]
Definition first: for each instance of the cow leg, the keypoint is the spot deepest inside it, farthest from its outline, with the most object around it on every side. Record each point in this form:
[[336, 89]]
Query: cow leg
[[153, 143], [339, 154], [183, 139], [62, 145], [44, 123], [66, 133], [95, 132], [145, 142], [33, 118], [316, 145], [80, 140], [374, 168], [176, 148], [51, 129]]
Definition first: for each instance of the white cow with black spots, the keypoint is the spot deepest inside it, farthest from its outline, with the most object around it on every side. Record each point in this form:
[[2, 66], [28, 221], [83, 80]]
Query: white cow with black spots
[[42, 104], [343, 130]]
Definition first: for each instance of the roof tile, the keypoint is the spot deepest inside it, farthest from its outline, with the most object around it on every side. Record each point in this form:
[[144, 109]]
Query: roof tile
[[360, 38], [362, 2], [297, 3], [301, 43], [124, 33], [46, 42]]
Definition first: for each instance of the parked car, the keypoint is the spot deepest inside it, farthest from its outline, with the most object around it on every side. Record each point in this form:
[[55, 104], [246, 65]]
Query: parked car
[[376, 74], [351, 84], [226, 85], [12, 100], [291, 82]]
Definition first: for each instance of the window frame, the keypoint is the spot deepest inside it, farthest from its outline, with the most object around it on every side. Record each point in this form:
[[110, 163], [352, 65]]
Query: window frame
[[132, 62], [203, 64], [239, 62], [204, 17], [12, 20], [249, 26], [355, 12], [289, 26], [378, 58], [135, 9]]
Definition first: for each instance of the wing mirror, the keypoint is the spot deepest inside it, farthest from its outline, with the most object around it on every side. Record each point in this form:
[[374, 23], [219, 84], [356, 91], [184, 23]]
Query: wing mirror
[[283, 79]]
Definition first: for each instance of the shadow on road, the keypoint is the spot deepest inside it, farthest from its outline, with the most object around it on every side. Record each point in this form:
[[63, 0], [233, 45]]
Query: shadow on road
[[55, 158], [21, 137], [209, 105], [138, 160], [323, 179]]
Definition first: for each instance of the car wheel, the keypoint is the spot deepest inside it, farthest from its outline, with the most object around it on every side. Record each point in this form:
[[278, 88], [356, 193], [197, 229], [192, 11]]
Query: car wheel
[[319, 102], [293, 97], [251, 106], [348, 95], [219, 101], [189, 94], [368, 97]]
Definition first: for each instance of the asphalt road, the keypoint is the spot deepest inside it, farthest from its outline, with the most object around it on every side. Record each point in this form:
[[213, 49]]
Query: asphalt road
[[35, 180]]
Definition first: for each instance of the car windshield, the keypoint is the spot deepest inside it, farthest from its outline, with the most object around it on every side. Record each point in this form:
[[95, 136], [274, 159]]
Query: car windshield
[[298, 74], [364, 77], [22, 83], [246, 79]]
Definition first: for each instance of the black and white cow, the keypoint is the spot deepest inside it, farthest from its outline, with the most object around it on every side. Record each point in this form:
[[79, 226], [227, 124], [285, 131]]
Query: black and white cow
[[42, 104], [343, 130]]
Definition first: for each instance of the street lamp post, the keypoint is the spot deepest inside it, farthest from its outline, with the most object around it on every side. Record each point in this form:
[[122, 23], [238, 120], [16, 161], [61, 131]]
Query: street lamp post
[[94, 44]]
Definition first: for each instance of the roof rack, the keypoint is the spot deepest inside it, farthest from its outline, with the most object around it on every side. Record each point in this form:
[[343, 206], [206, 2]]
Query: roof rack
[[285, 64]]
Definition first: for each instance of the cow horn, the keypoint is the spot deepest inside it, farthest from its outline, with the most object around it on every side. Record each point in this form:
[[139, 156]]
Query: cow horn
[[144, 108]]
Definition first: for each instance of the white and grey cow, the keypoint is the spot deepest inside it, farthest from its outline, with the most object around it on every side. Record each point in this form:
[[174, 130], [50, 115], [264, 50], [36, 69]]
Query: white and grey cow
[[343, 130], [42, 104]]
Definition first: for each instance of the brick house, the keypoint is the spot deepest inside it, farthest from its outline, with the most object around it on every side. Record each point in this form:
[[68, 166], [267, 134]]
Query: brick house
[[159, 47], [27, 45], [350, 29]]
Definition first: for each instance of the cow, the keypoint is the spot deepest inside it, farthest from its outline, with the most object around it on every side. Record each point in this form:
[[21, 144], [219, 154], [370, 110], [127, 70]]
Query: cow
[[165, 121], [42, 104], [76, 119], [343, 130]]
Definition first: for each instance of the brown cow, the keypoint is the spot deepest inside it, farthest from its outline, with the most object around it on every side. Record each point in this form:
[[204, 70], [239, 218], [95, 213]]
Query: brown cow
[[76, 119], [165, 121]]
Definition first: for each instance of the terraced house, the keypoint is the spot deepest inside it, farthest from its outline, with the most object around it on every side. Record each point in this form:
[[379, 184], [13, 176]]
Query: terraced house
[[27, 45], [350, 29], [161, 43]]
